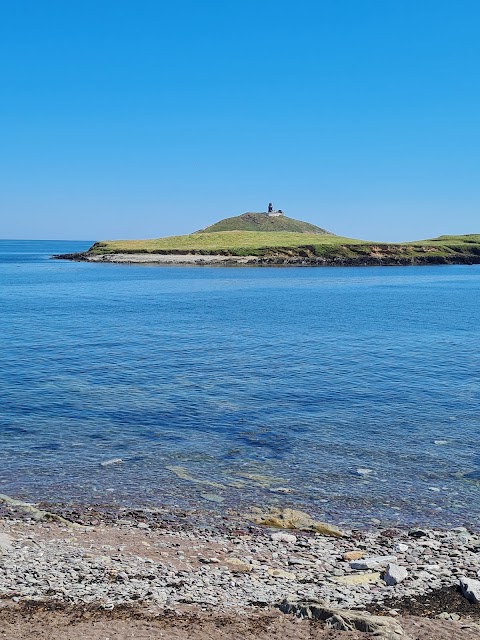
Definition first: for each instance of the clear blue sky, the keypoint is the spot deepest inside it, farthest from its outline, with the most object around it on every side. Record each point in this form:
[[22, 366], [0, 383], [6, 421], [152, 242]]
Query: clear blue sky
[[122, 118]]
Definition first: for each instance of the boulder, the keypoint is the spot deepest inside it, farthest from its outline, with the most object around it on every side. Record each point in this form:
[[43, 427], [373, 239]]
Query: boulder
[[238, 566], [294, 519], [338, 623], [395, 574], [419, 533], [383, 627], [470, 589]]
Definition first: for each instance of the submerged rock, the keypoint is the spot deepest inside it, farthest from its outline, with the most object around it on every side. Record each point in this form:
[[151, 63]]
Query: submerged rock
[[108, 463], [183, 474], [212, 497], [259, 479]]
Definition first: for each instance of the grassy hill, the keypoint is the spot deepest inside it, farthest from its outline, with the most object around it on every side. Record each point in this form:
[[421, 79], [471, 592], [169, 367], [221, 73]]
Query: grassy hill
[[262, 222], [237, 243]]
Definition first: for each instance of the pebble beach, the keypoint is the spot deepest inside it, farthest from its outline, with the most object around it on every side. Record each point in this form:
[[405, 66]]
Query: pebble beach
[[150, 567]]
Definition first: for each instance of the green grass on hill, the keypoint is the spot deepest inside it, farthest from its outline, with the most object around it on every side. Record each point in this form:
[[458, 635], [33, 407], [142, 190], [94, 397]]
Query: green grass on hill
[[471, 238], [231, 242], [286, 244], [262, 222]]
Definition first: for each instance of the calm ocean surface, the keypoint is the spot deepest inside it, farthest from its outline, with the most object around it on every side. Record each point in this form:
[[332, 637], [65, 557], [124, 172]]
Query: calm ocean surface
[[354, 389]]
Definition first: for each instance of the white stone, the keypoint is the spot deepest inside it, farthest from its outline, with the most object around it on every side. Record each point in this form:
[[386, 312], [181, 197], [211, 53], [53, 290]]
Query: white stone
[[283, 537], [395, 574], [5, 542], [401, 547], [470, 589], [374, 562]]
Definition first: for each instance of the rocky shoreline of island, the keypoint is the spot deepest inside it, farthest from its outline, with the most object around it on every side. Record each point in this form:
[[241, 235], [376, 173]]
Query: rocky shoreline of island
[[154, 562], [275, 260]]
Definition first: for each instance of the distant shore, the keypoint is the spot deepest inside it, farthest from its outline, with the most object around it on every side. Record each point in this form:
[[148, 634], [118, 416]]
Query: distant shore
[[198, 259]]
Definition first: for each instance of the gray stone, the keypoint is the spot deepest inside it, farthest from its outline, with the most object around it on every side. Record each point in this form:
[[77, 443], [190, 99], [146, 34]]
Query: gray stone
[[338, 623], [470, 589], [373, 562], [300, 561], [5, 542], [279, 536], [419, 533], [395, 574]]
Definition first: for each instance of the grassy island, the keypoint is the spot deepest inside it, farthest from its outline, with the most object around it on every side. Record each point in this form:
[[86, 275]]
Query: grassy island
[[259, 239]]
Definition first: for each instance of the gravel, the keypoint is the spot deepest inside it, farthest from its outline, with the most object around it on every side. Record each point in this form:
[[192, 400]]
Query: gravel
[[117, 565]]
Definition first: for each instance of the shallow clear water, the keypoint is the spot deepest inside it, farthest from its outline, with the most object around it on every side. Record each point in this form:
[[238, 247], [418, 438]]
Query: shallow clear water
[[252, 379]]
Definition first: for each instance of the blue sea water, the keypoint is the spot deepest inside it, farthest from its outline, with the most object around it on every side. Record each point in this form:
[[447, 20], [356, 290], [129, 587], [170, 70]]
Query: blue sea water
[[352, 393]]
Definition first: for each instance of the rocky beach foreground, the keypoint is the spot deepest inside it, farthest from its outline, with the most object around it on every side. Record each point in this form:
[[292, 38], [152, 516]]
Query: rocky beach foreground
[[136, 574]]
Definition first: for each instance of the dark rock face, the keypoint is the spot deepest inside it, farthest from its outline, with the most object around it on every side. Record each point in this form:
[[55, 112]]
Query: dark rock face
[[76, 257]]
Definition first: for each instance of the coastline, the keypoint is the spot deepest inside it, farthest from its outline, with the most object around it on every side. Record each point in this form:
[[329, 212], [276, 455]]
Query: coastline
[[199, 259], [147, 573], [145, 567]]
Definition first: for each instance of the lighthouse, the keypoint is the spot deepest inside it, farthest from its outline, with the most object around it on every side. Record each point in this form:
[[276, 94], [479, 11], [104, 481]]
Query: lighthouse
[[273, 214]]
